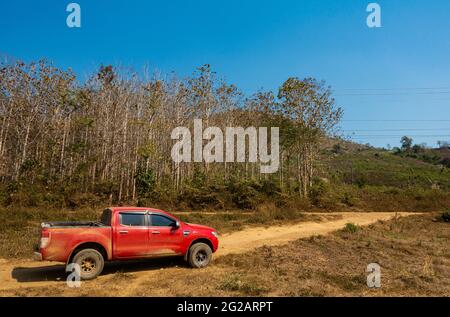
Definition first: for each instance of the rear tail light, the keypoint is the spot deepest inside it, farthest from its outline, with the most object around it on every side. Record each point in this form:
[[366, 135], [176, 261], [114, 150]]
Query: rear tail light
[[45, 239]]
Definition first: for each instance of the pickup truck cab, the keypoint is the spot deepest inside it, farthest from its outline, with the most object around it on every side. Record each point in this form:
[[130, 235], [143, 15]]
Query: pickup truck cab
[[125, 233]]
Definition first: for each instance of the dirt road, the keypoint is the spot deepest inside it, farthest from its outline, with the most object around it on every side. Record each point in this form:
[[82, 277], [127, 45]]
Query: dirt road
[[241, 241], [19, 275]]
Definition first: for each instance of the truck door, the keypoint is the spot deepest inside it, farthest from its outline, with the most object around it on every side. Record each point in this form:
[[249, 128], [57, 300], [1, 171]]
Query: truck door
[[131, 235], [164, 236]]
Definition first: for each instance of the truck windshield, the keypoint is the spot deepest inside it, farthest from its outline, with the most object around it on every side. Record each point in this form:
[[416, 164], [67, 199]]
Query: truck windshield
[[106, 217]]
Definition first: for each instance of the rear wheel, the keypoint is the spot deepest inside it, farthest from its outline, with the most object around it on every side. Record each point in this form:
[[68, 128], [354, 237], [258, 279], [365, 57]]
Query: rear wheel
[[200, 255], [91, 263]]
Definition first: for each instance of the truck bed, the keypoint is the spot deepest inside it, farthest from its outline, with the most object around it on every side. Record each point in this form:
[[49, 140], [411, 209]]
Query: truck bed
[[72, 224]]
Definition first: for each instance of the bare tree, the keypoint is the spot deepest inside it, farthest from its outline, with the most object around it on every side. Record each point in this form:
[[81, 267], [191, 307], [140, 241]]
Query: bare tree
[[310, 106]]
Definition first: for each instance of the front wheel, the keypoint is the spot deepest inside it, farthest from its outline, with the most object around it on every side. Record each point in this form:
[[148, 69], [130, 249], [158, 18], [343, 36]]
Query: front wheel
[[200, 255], [91, 263]]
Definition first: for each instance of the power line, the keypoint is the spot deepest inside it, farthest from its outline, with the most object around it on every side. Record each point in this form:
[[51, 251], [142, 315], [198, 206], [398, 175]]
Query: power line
[[391, 130], [391, 89], [396, 136], [396, 120], [393, 135], [395, 94], [434, 100]]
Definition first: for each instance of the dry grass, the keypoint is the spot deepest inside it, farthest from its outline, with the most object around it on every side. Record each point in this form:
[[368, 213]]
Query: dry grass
[[414, 254]]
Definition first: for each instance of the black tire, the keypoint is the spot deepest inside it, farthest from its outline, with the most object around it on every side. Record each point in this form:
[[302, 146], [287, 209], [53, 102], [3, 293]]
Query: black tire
[[200, 255], [91, 263]]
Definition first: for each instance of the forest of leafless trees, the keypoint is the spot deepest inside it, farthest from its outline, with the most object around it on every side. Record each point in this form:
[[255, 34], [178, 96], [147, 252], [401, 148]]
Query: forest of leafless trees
[[111, 134]]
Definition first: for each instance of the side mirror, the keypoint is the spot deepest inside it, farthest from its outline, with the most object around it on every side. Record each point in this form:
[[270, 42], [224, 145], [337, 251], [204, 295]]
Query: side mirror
[[176, 225]]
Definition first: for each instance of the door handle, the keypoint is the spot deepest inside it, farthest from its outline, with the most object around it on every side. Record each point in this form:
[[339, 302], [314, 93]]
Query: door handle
[[123, 231], [156, 232]]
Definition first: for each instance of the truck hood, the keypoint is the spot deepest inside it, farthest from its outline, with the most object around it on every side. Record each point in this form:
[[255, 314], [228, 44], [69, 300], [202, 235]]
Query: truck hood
[[194, 226]]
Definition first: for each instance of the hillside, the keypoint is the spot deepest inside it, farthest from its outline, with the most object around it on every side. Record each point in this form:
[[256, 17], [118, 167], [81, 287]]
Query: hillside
[[367, 178], [377, 167]]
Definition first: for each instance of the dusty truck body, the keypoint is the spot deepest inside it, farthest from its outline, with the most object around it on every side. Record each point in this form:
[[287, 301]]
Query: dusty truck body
[[125, 233]]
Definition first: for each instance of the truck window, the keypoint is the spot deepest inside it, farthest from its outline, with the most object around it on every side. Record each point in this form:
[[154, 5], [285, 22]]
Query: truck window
[[106, 217], [135, 220], [161, 221]]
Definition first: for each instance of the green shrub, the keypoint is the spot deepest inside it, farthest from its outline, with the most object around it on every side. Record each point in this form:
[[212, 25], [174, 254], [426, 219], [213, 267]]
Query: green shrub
[[269, 187], [230, 283], [322, 196], [201, 198], [351, 228], [348, 199], [318, 192], [243, 194], [105, 188], [145, 181], [78, 200]]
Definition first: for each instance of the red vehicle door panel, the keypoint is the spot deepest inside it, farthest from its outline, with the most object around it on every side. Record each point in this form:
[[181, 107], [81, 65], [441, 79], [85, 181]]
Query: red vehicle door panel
[[131, 235], [164, 237]]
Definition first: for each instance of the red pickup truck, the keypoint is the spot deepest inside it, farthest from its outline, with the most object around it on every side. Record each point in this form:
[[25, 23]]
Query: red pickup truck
[[125, 233]]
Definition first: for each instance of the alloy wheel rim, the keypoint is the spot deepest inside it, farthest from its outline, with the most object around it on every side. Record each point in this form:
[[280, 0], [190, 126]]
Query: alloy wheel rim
[[88, 265]]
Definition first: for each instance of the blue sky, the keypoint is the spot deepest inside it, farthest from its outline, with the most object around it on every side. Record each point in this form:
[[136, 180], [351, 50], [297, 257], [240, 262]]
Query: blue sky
[[398, 72]]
